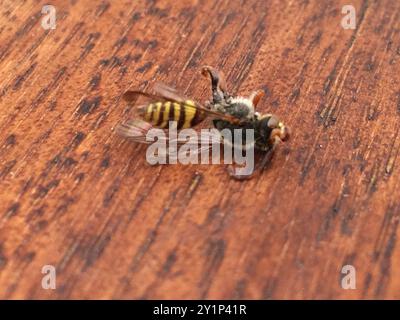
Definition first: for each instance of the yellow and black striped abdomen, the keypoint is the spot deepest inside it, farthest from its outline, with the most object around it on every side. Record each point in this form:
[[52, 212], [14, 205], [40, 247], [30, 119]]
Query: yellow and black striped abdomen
[[186, 114]]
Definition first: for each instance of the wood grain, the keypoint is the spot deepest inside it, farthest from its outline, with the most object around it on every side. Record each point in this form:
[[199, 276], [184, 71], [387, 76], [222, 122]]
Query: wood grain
[[76, 196]]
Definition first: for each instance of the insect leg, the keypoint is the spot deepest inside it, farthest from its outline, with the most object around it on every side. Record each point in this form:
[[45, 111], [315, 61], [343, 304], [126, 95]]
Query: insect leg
[[231, 169], [218, 84], [259, 167], [256, 96]]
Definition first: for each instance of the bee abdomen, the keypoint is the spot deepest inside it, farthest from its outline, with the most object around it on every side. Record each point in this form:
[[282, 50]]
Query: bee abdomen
[[185, 114]]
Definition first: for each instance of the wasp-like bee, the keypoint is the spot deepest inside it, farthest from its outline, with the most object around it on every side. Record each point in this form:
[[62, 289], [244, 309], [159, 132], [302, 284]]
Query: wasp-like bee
[[226, 111]]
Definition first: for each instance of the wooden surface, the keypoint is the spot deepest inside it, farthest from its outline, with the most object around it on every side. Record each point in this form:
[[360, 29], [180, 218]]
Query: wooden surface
[[76, 196]]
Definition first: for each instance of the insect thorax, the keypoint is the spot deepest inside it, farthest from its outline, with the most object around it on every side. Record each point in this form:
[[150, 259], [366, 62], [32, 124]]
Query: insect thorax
[[238, 106]]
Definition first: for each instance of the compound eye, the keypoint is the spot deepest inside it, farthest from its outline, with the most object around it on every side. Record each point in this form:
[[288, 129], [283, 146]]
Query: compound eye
[[273, 122]]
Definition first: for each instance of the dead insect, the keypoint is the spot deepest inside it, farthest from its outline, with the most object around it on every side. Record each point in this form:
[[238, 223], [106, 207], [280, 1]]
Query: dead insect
[[226, 111]]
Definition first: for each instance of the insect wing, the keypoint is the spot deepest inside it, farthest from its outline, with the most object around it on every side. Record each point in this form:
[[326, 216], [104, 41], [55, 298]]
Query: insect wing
[[138, 130], [169, 93], [135, 130]]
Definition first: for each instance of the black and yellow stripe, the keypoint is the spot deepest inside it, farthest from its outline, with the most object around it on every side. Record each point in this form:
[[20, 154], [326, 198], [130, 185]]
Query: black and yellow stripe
[[185, 114]]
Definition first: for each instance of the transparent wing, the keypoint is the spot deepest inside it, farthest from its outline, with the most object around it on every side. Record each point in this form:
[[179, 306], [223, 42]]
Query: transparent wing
[[170, 93], [137, 130]]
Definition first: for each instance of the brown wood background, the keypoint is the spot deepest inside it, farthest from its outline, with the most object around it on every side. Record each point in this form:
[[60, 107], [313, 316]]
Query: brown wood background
[[76, 196]]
